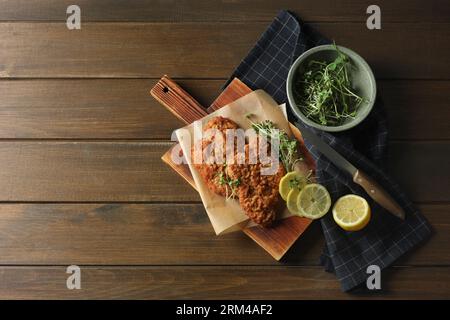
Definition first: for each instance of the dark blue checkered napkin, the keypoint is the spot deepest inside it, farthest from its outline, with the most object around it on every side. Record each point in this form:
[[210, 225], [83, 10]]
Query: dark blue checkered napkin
[[386, 238]]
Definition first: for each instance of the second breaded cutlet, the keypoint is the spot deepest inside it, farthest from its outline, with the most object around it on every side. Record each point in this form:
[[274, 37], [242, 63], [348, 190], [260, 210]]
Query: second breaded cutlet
[[258, 194]]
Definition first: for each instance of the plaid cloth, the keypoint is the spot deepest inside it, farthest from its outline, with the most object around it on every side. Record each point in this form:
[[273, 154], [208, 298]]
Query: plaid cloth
[[386, 238]]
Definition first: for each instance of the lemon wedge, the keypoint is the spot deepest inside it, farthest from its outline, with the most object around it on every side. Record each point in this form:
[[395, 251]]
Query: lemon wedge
[[291, 201], [290, 181], [351, 212], [313, 201]]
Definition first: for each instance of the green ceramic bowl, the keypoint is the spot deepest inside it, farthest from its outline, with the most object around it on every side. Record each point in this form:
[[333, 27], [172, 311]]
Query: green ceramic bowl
[[362, 79]]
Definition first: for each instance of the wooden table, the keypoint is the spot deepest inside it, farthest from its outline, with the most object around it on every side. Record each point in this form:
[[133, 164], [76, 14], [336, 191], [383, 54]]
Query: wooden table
[[82, 183]]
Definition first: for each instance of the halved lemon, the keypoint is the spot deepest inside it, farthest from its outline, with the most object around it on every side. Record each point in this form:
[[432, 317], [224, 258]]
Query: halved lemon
[[291, 180], [313, 201], [351, 212], [291, 201]]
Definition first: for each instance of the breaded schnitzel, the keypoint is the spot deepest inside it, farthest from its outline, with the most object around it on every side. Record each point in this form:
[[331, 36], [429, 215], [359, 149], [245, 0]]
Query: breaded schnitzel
[[220, 123], [258, 194], [213, 173]]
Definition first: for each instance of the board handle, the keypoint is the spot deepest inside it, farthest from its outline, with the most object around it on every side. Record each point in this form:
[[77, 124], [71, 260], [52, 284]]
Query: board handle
[[177, 101]]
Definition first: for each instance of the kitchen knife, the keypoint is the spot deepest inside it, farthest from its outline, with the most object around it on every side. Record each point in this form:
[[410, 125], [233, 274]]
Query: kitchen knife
[[373, 189]]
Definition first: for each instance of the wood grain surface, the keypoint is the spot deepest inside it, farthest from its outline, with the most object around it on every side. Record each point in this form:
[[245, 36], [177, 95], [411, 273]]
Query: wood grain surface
[[219, 10], [122, 109], [187, 282], [202, 50], [81, 181], [120, 171], [162, 234]]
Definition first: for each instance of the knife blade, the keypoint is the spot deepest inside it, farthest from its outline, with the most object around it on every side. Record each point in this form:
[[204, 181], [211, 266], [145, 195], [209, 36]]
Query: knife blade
[[372, 188]]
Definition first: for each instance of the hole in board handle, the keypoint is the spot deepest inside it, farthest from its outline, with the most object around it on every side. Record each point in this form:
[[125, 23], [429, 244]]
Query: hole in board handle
[[165, 89]]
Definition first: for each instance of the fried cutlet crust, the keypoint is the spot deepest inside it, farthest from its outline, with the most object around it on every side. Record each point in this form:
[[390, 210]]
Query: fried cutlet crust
[[209, 170], [220, 123], [258, 194]]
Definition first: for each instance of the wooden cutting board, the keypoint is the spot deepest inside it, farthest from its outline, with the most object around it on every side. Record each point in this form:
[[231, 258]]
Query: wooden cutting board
[[275, 240]]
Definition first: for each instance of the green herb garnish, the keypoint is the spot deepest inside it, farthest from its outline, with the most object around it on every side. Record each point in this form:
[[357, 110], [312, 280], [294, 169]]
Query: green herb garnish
[[324, 92], [294, 184], [231, 184], [288, 148]]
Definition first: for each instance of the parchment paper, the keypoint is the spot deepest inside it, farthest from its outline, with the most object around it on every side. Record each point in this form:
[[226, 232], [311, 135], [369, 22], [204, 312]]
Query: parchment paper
[[227, 215]]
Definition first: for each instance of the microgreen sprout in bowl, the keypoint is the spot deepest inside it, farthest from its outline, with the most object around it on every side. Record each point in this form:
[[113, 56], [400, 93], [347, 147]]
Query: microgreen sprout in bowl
[[331, 88], [325, 93]]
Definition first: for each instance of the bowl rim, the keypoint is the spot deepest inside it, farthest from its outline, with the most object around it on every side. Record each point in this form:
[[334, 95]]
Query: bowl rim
[[353, 55]]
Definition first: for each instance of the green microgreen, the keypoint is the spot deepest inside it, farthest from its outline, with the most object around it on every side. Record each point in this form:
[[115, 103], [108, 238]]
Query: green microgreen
[[288, 148], [231, 184], [325, 93]]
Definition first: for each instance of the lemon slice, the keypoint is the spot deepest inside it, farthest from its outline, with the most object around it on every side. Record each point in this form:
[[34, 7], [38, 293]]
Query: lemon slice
[[351, 212], [313, 201], [291, 180], [291, 201]]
